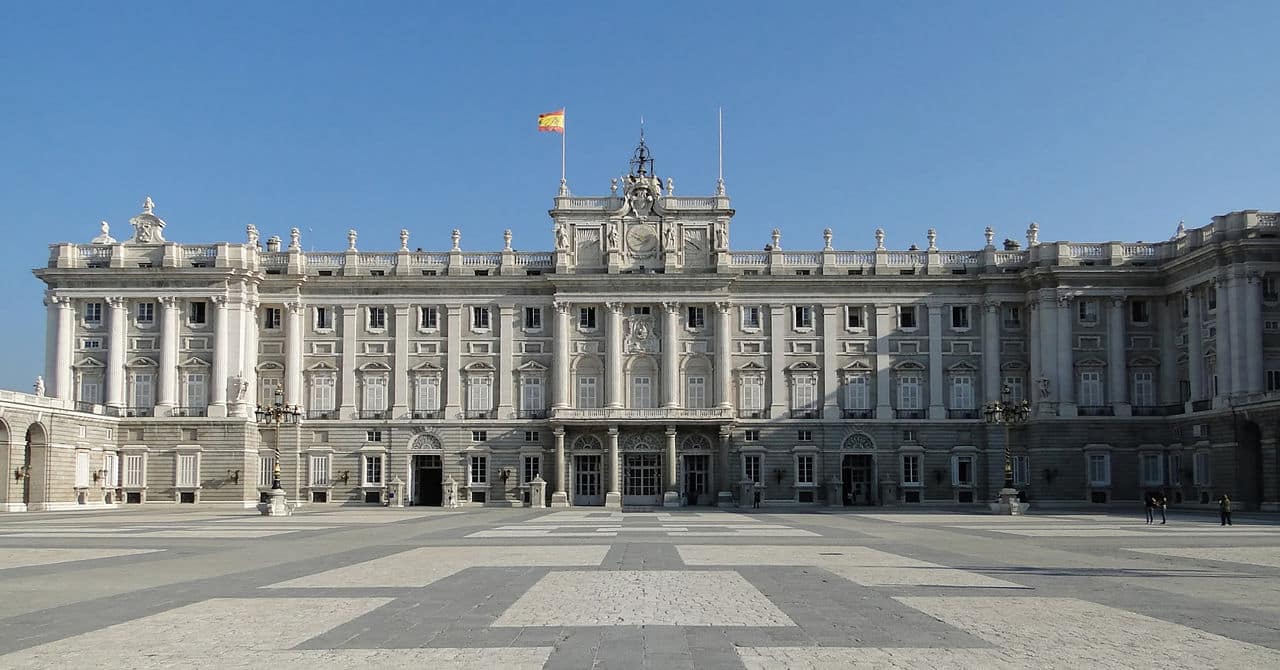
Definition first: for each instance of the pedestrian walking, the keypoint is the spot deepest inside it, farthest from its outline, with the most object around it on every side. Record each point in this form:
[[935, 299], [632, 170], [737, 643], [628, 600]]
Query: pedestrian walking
[[1162, 503], [1149, 502], [756, 499], [1224, 509]]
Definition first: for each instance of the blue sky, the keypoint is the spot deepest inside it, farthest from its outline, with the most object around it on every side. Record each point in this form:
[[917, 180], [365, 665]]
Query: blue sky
[[1100, 120]]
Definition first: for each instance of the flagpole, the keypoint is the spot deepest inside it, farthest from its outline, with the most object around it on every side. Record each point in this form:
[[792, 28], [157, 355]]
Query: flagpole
[[564, 130]]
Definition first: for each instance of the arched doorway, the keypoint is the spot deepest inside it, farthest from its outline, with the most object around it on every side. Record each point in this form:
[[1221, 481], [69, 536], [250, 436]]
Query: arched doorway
[[858, 471], [35, 458]]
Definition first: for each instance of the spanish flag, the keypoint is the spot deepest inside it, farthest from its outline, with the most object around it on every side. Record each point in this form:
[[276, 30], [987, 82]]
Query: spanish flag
[[551, 122]]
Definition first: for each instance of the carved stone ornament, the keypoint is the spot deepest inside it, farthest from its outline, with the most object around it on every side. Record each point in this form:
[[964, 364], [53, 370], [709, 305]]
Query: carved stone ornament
[[147, 227], [1043, 384], [404, 239], [642, 442], [425, 442], [562, 237], [722, 236], [639, 336], [104, 235], [859, 441], [295, 239]]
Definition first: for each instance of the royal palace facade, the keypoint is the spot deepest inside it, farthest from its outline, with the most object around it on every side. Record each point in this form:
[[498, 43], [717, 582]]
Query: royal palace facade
[[643, 361]]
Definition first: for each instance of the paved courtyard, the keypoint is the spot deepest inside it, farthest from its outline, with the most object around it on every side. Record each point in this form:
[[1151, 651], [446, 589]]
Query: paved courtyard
[[582, 588]]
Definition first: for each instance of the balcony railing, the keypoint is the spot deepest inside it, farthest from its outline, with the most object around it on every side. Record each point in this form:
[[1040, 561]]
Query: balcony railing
[[428, 414], [908, 414], [962, 413], [805, 413], [88, 407], [323, 414], [190, 411], [479, 414], [1201, 405], [856, 413], [375, 414], [531, 414], [1158, 410], [137, 411], [753, 413], [640, 413], [1096, 410]]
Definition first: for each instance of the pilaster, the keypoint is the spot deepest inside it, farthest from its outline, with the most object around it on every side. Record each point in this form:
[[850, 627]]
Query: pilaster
[[1117, 370], [1223, 341], [723, 355], [453, 362], [294, 309], [1066, 358], [347, 375], [830, 368], [613, 494], [670, 354], [884, 325], [560, 357], [613, 355], [777, 361], [1195, 348], [937, 410], [221, 358], [167, 382], [116, 348], [559, 498], [506, 360], [400, 387], [990, 350]]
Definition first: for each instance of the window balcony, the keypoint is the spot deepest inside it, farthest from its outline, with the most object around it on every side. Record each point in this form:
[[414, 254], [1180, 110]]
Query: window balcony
[[962, 413], [323, 414], [139, 411], [479, 414], [753, 413], [856, 414], [908, 414], [375, 414], [805, 413], [428, 414], [531, 414], [1157, 410], [1096, 410], [190, 411]]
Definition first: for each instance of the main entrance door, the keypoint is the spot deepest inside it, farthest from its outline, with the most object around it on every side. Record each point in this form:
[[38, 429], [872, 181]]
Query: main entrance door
[[696, 469], [428, 478], [856, 477], [586, 480], [642, 480]]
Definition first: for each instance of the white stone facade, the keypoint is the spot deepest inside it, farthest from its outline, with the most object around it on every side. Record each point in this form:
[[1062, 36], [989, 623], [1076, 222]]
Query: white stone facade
[[643, 361]]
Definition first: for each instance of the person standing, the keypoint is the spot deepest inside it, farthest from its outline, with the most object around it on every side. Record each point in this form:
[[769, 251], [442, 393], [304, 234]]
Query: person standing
[[1149, 502], [1224, 509], [1162, 503]]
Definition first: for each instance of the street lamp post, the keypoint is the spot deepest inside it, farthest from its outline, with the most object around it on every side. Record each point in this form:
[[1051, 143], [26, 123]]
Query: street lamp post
[[277, 413], [1010, 413]]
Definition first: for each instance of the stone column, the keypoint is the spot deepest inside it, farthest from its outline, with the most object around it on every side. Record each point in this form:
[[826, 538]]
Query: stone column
[[559, 498], [991, 350], [347, 375], [724, 483], [1226, 383], [560, 358], [1255, 376], [221, 355], [884, 325], [777, 361], [1167, 393], [64, 335], [1031, 386], [1048, 339], [506, 361], [116, 348], [1195, 348], [167, 377], [1066, 359], [453, 363], [671, 495], [937, 408], [400, 386], [670, 352], [294, 310], [1117, 370], [613, 355], [250, 371], [1239, 331], [723, 355], [613, 494], [830, 367]]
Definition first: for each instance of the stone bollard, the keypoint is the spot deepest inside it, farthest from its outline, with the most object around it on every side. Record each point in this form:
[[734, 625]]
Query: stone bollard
[[538, 492], [450, 492], [835, 489], [396, 492]]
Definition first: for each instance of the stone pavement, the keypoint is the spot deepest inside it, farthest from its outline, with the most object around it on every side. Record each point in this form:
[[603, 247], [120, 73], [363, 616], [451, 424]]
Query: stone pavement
[[580, 588]]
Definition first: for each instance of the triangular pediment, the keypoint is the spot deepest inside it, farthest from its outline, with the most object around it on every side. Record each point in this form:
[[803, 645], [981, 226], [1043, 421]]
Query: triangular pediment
[[857, 366], [141, 362], [425, 366], [374, 366], [88, 362], [803, 366], [963, 366], [269, 366], [532, 366], [478, 366], [322, 366], [908, 365], [194, 362]]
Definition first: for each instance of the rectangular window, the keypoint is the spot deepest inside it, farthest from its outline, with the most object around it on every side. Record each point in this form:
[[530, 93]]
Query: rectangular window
[[428, 318], [480, 318], [322, 395], [1021, 471], [271, 318], [82, 469], [1144, 388], [1200, 469], [90, 391], [373, 435], [907, 316], [95, 343], [804, 435], [375, 393], [804, 393], [960, 317], [1140, 311], [479, 393], [752, 394], [319, 470], [587, 318], [853, 317], [751, 468], [855, 392], [197, 312], [696, 393], [1090, 388], [909, 392], [911, 469], [752, 435], [1271, 288], [324, 318], [962, 392], [479, 436], [802, 316], [587, 396], [1088, 311], [532, 468], [145, 313], [133, 471], [531, 394], [111, 465], [696, 317], [196, 390], [265, 466], [533, 318], [1014, 384], [532, 436], [750, 317], [428, 394], [962, 471], [270, 385], [372, 470], [1273, 380], [188, 477], [1211, 298], [804, 469], [377, 318], [479, 470], [641, 310], [1012, 317], [93, 313], [1152, 469], [641, 392], [1099, 469], [143, 390]]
